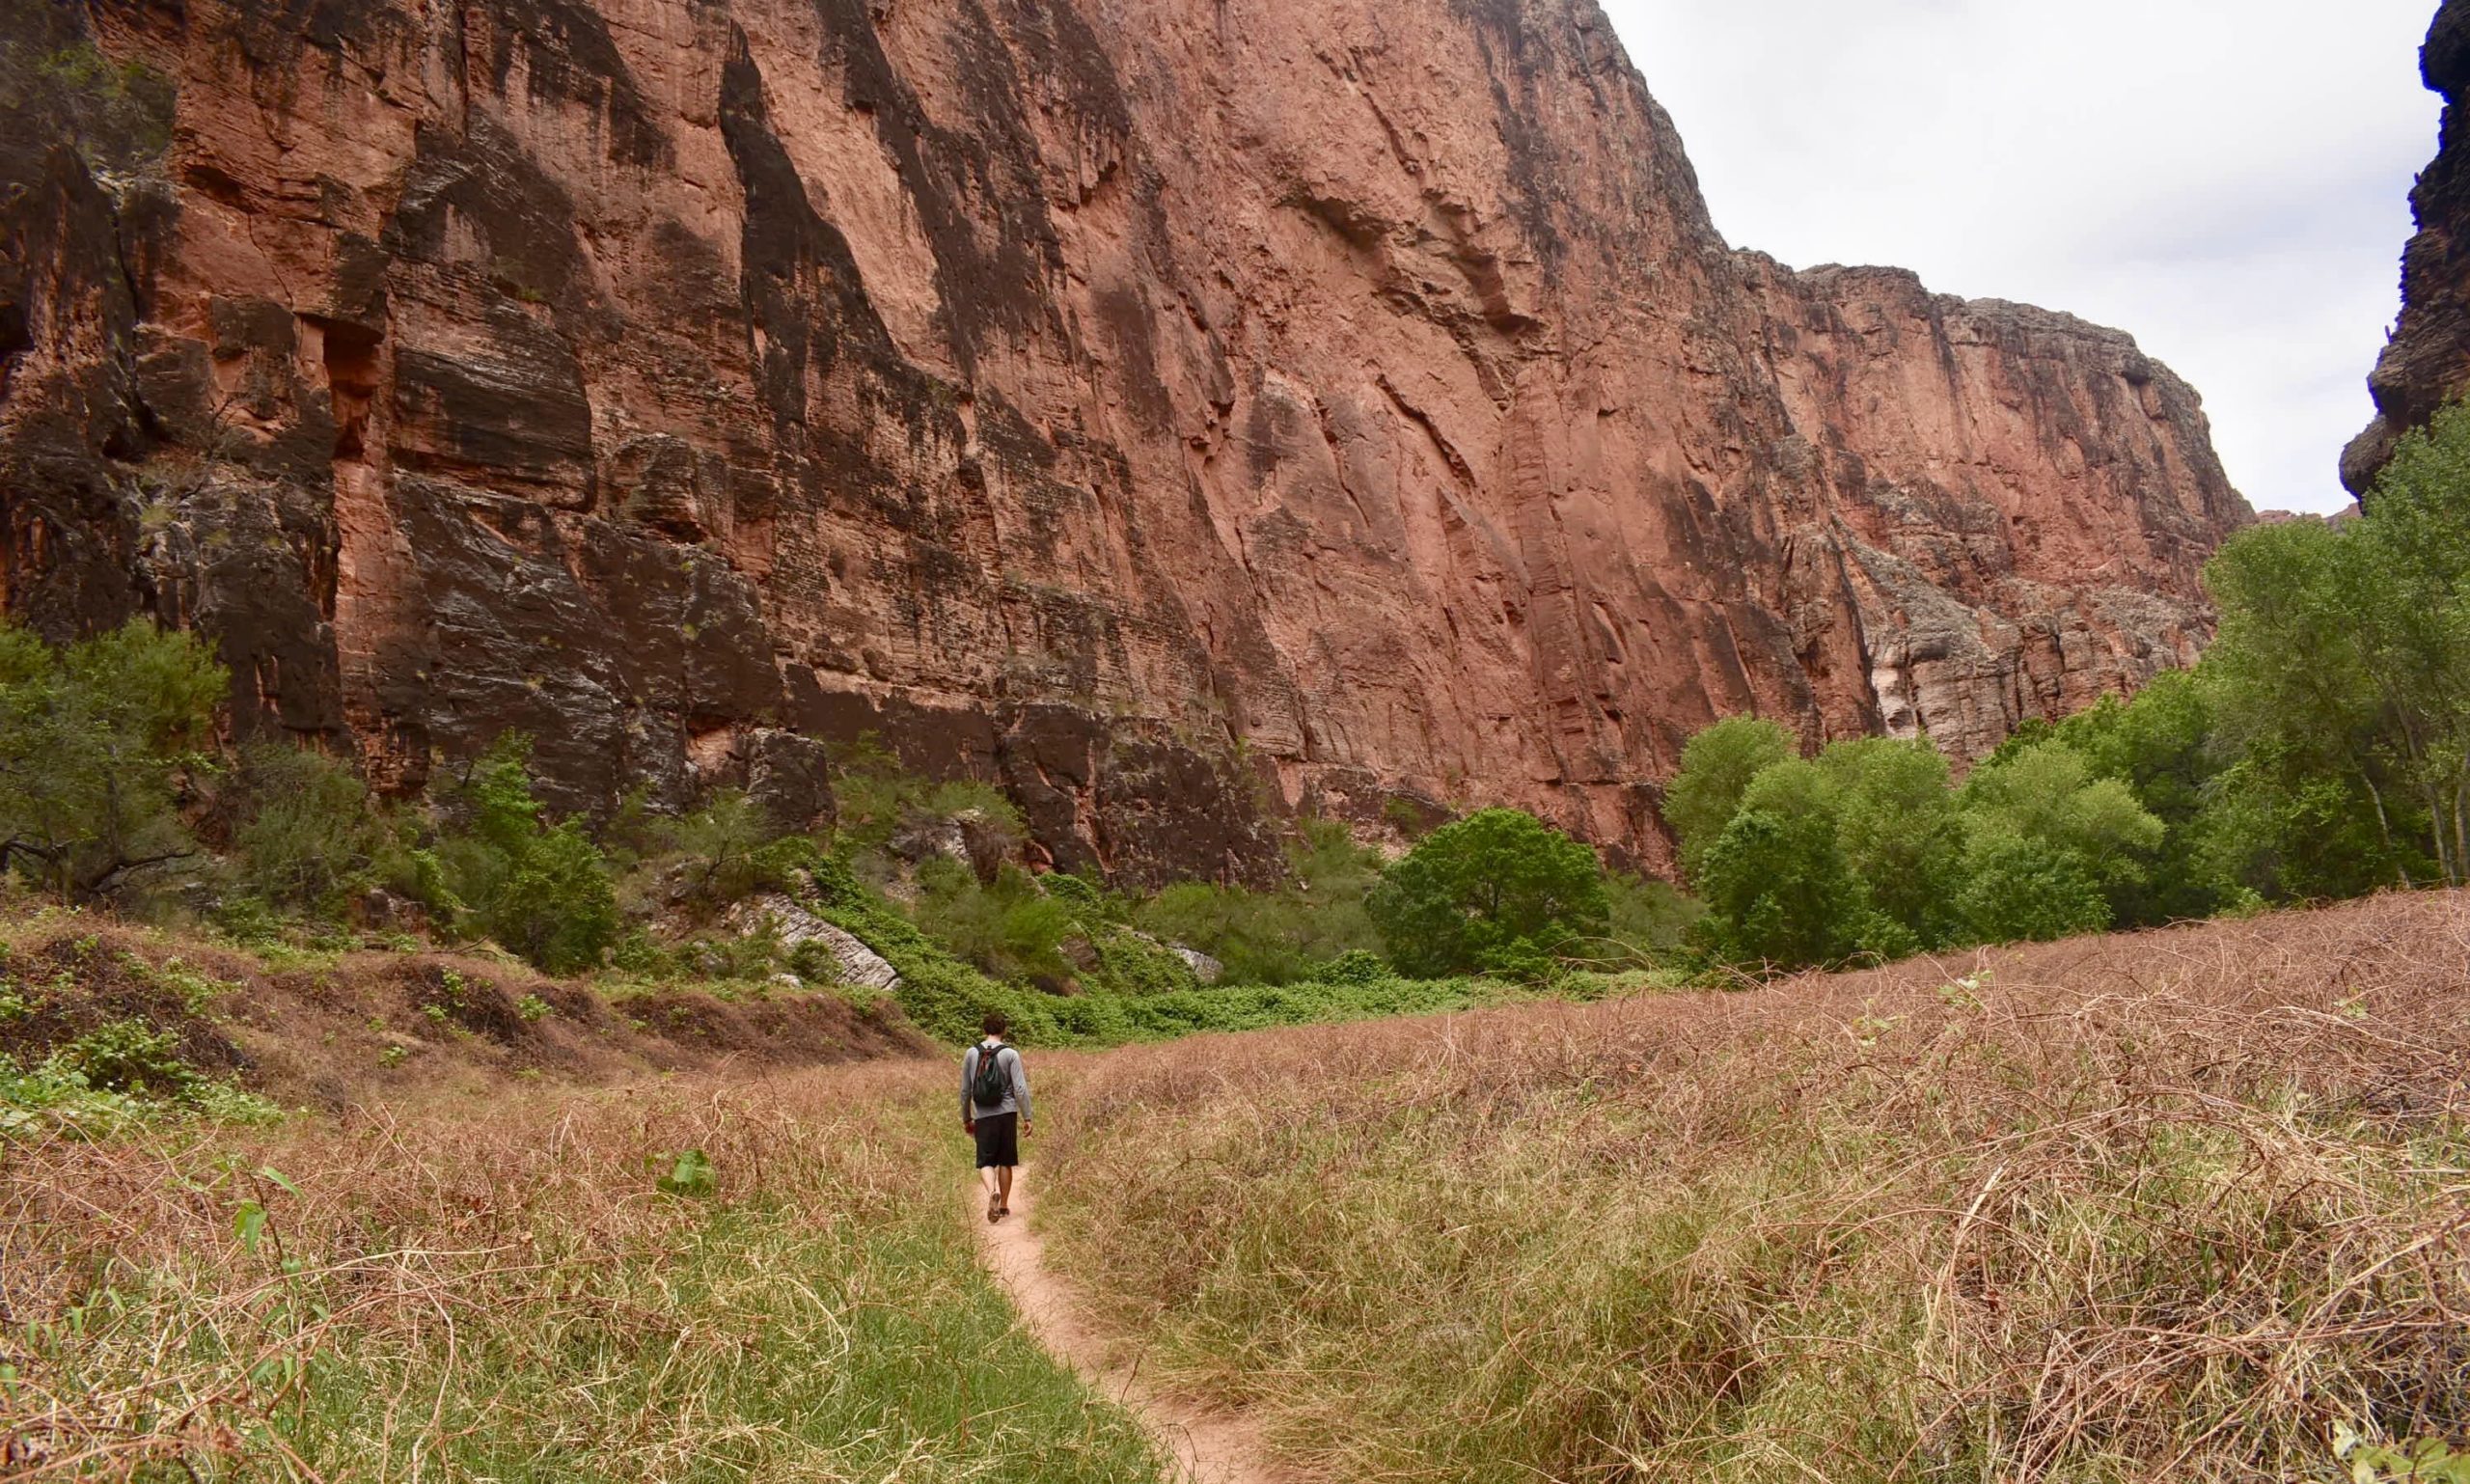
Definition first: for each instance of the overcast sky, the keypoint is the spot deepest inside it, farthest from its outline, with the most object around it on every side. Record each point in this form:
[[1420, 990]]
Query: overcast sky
[[2225, 179]]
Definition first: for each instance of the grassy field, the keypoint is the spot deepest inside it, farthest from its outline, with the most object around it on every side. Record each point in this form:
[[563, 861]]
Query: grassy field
[[2173, 1205], [501, 1289], [2182, 1204]]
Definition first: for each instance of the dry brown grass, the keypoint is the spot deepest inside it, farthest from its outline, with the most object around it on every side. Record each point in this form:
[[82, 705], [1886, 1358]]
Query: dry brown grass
[[327, 1032], [2155, 1207], [494, 1288]]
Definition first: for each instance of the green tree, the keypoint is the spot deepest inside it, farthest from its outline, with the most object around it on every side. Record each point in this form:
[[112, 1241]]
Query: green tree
[[1901, 833], [99, 741], [1777, 887], [2021, 889], [305, 837], [554, 904], [2162, 746], [2292, 691], [1715, 767], [2345, 654], [542, 891], [1497, 884], [1282, 936], [2407, 570], [2041, 819]]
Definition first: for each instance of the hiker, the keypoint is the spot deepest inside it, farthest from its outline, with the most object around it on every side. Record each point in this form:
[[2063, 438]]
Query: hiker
[[995, 1108]]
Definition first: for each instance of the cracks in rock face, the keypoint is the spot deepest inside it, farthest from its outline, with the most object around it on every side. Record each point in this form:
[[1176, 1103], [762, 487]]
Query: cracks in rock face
[[1440, 443]]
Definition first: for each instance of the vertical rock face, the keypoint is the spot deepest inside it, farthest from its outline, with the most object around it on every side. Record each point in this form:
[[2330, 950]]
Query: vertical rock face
[[2427, 363], [1179, 410]]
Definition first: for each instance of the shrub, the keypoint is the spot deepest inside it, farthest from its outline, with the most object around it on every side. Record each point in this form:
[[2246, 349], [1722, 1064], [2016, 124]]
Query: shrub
[[1716, 766], [542, 891], [1649, 921], [1777, 890], [2019, 889], [1356, 965], [875, 798], [2165, 746], [97, 744], [1277, 937], [1009, 928], [555, 906], [129, 1056], [306, 838], [2045, 795], [1902, 837], [1474, 889], [1074, 893], [723, 846]]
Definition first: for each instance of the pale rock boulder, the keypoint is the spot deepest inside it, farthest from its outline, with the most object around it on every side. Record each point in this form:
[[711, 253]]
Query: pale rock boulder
[[860, 966]]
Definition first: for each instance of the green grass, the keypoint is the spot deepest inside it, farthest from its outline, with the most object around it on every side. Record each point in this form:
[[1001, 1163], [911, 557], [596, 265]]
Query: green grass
[[510, 1298], [945, 996]]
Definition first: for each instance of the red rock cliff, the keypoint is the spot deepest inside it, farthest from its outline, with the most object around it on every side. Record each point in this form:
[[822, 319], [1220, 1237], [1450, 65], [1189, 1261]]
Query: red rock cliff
[[1174, 408], [2427, 363]]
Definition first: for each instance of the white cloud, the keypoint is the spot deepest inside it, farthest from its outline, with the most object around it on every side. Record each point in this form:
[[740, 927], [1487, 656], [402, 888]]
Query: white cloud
[[2227, 182]]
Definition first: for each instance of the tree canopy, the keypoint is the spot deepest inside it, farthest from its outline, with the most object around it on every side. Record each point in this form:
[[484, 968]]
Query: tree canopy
[[1487, 892]]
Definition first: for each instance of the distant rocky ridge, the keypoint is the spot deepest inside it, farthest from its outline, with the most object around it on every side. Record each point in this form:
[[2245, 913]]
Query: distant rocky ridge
[[2427, 363], [1181, 411]]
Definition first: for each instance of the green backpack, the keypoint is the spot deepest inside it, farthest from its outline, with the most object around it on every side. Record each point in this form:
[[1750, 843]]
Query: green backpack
[[992, 1084]]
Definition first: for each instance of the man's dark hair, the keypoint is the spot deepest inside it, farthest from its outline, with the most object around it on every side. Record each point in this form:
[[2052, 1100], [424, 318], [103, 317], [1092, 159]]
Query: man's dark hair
[[994, 1024]]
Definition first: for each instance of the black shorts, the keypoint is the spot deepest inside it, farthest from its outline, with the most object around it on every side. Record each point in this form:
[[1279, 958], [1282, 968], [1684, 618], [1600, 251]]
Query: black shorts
[[999, 1140]]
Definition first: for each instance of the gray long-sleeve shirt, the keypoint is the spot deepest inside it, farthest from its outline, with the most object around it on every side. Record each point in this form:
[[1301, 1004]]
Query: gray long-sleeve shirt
[[1015, 1100]]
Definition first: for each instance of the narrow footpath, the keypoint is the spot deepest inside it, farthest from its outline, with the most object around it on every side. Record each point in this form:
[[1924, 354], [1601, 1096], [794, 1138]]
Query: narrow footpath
[[1206, 1448]]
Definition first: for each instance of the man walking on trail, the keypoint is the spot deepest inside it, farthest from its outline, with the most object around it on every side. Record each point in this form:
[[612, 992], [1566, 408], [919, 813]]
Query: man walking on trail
[[995, 1108]]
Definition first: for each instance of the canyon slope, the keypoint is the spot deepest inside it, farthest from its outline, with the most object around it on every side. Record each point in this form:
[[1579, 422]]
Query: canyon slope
[[1185, 412], [2427, 363]]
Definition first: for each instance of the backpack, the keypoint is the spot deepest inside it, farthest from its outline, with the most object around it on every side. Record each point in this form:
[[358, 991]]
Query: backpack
[[991, 1085]]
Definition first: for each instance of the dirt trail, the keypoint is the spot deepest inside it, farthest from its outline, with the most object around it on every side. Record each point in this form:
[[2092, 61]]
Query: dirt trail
[[1207, 1447]]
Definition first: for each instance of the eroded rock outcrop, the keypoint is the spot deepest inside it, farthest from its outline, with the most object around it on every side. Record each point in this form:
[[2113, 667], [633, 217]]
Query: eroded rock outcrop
[[1178, 410], [2427, 363]]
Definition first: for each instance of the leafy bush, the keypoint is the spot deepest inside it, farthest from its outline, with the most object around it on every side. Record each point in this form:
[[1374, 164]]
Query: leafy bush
[[2076, 830], [554, 905], [129, 1056], [942, 995], [1869, 852], [726, 846], [1495, 887], [115, 1078], [1277, 937], [97, 743], [2017, 889], [2165, 747], [1902, 836], [1356, 965], [1130, 963], [1777, 887], [542, 891], [875, 798], [1716, 766], [1008, 927], [306, 838], [1650, 921]]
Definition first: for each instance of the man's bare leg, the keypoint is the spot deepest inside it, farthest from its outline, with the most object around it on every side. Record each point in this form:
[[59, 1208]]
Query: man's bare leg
[[992, 1178], [1003, 1197]]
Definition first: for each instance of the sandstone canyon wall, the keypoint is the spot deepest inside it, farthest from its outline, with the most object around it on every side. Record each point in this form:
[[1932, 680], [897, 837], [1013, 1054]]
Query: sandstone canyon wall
[[2427, 363], [1180, 410]]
